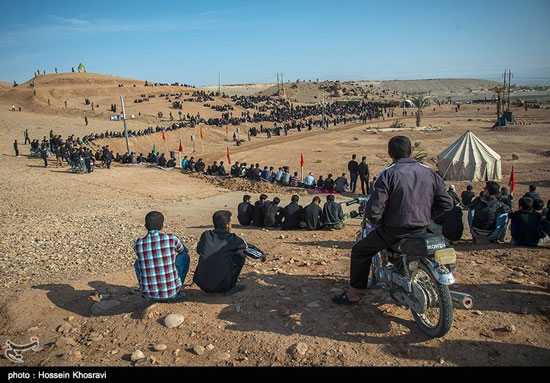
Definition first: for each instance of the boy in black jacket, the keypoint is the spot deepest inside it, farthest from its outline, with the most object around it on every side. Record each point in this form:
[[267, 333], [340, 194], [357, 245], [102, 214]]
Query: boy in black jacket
[[526, 226], [222, 255]]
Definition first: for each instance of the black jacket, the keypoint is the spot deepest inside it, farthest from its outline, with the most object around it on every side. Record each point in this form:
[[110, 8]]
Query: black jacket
[[467, 197], [272, 214], [486, 210], [364, 170], [407, 195], [332, 213], [353, 166], [217, 250], [293, 214], [313, 216], [526, 226], [245, 213], [258, 214]]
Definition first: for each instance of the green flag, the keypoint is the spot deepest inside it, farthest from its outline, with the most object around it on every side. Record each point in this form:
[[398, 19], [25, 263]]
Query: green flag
[[154, 148]]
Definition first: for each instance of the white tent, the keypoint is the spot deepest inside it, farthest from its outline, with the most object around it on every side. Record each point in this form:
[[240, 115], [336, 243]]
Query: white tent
[[469, 159]]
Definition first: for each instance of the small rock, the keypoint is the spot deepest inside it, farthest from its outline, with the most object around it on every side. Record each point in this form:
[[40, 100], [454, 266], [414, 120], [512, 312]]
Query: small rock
[[95, 337], [137, 355], [441, 360], [223, 356], [510, 328], [209, 347], [177, 352], [281, 236], [77, 355], [237, 308], [159, 347], [173, 320], [298, 350], [70, 318], [198, 349], [63, 328], [313, 305]]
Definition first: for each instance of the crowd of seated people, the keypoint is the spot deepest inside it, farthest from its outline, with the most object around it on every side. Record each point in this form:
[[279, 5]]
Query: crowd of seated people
[[270, 214]]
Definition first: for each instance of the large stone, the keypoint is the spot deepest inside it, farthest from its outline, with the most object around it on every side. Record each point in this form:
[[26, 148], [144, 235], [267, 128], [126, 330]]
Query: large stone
[[298, 350], [173, 320], [198, 349], [137, 355], [102, 307], [159, 347]]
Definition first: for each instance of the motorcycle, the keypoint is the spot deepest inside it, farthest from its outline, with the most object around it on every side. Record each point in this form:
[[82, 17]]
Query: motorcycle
[[417, 273]]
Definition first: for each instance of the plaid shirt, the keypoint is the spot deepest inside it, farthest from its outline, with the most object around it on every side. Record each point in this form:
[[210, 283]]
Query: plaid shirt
[[156, 253]]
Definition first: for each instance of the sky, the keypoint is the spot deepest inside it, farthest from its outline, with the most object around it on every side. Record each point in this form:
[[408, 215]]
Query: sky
[[191, 42]]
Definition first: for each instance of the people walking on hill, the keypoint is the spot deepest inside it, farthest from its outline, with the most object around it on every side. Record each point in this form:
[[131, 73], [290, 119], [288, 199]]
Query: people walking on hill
[[16, 148]]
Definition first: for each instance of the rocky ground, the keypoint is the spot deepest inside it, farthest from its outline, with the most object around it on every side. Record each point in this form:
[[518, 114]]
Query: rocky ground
[[67, 267]]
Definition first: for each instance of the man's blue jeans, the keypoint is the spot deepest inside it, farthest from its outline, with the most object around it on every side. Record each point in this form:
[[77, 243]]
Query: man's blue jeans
[[182, 267], [497, 234]]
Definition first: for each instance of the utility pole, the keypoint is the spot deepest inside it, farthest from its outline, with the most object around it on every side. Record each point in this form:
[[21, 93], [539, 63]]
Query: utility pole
[[504, 90], [509, 82], [278, 88], [124, 121], [219, 84], [282, 83]]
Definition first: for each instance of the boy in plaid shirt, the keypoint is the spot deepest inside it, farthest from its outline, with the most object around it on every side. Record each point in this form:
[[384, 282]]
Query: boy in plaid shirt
[[162, 261]]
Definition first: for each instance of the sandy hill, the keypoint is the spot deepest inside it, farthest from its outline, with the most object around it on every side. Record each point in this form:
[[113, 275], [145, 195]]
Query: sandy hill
[[48, 93]]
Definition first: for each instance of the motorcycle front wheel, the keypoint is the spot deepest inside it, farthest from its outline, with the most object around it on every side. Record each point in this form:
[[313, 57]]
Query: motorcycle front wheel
[[437, 320]]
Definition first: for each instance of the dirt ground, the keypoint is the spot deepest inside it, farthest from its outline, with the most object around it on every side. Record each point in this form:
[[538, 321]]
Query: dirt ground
[[67, 239]]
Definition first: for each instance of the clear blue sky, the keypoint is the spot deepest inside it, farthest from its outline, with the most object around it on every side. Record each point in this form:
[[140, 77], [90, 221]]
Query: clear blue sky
[[250, 41]]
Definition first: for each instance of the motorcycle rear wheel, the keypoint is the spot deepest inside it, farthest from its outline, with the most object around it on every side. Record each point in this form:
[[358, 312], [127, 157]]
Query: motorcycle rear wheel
[[437, 320]]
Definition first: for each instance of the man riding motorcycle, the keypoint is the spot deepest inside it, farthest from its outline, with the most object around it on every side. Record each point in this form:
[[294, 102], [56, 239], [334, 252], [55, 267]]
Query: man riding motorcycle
[[406, 196]]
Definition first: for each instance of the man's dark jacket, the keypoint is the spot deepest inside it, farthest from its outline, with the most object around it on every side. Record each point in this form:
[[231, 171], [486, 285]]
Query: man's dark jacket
[[272, 214], [258, 214], [313, 216], [407, 195], [363, 170], [332, 213], [486, 210], [218, 250], [293, 215], [245, 213]]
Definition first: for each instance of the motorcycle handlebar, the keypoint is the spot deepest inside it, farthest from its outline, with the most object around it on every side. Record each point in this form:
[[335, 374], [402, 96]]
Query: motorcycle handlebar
[[356, 200]]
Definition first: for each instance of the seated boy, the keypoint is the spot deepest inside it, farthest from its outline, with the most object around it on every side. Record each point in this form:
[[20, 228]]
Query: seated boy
[[222, 255], [487, 215], [162, 261], [526, 226]]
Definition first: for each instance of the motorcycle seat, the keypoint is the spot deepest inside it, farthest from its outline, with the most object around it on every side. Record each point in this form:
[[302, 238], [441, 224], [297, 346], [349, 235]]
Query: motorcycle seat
[[424, 246]]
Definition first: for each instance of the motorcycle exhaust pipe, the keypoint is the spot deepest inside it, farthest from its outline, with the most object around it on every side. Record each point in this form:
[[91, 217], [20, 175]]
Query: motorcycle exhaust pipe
[[466, 300]]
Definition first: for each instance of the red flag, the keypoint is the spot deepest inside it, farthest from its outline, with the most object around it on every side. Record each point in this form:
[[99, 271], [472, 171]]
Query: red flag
[[181, 147], [301, 160], [201, 133], [512, 182], [163, 136], [228, 157]]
